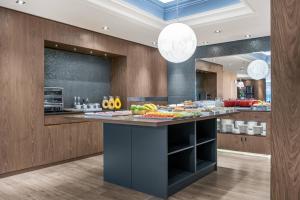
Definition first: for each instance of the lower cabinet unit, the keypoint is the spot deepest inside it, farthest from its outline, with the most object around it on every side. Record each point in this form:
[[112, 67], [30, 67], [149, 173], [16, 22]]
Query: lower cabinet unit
[[244, 143], [67, 141]]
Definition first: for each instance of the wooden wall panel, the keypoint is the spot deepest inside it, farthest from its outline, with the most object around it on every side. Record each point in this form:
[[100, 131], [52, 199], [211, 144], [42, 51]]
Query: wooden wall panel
[[146, 74], [229, 86], [21, 89], [285, 173], [25, 141], [61, 33], [110, 44]]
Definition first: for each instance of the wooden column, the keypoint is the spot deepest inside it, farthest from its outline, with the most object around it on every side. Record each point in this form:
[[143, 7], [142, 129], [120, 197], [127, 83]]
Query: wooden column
[[285, 44]]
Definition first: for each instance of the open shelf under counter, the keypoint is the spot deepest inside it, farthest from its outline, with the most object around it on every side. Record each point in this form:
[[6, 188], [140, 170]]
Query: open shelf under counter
[[181, 166], [178, 175], [202, 141], [181, 137], [179, 148], [203, 164], [206, 156]]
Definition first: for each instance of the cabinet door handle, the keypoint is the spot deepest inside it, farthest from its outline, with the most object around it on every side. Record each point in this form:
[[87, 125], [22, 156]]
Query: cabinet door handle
[[245, 139], [241, 139]]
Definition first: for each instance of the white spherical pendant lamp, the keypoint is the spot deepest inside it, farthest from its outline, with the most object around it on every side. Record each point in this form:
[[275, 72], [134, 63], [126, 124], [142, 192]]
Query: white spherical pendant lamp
[[177, 42], [258, 69]]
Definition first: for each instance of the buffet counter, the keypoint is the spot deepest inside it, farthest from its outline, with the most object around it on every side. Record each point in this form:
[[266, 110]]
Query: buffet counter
[[246, 131], [158, 157]]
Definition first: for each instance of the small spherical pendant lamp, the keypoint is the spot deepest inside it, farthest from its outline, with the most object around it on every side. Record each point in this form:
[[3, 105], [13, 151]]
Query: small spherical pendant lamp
[[258, 69]]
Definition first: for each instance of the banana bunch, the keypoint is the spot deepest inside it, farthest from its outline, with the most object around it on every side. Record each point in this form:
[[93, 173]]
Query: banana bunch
[[150, 107], [141, 110]]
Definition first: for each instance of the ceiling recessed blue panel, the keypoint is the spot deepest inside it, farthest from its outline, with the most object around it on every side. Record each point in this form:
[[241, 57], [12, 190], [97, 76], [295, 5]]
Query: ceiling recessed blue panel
[[168, 11]]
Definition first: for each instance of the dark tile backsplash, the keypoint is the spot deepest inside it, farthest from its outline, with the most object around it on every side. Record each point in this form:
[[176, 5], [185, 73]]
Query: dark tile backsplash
[[79, 74]]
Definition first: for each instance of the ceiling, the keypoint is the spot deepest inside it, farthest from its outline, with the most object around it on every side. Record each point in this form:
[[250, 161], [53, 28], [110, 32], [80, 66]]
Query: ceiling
[[238, 63], [130, 22], [179, 8]]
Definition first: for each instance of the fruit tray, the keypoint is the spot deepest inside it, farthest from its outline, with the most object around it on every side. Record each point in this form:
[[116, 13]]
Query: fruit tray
[[154, 118]]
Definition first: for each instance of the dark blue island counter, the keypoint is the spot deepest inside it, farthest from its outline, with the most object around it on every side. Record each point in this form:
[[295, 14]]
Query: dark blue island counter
[[158, 157]]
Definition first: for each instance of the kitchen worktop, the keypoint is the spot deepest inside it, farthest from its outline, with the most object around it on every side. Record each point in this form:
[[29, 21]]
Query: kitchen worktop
[[130, 120], [247, 109], [63, 113]]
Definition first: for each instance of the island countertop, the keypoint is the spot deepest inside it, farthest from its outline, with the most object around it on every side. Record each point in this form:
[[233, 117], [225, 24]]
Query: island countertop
[[130, 120]]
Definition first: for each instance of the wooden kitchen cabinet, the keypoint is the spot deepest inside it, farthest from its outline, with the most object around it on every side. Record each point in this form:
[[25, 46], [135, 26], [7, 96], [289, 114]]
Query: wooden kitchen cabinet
[[244, 143], [257, 144], [67, 141]]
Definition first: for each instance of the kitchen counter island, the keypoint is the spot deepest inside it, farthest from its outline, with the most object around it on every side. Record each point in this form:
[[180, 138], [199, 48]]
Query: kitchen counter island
[[158, 157]]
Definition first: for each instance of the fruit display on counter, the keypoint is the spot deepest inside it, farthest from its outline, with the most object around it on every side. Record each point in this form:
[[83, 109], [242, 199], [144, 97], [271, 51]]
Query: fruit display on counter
[[157, 115], [143, 109], [261, 106], [118, 103], [261, 103], [169, 115]]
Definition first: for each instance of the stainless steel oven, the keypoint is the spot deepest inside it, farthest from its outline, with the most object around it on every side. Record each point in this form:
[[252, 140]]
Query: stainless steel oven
[[53, 99]]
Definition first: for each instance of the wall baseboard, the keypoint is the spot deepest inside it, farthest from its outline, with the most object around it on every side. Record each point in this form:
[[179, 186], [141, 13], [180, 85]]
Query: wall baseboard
[[245, 153], [46, 165]]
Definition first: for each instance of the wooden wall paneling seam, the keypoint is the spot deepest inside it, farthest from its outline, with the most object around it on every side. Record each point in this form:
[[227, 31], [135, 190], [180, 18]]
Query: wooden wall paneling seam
[[4, 35]]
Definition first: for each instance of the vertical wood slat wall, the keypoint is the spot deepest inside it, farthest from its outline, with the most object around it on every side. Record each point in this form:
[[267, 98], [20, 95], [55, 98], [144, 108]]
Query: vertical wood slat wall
[[25, 141], [285, 148]]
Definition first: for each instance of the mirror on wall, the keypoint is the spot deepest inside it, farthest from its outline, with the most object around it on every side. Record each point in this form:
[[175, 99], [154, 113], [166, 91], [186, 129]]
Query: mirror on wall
[[226, 77]]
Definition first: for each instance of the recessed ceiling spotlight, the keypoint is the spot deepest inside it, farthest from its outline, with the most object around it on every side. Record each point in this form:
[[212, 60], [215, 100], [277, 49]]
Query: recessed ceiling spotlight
[[154, 43], [91, 52], [20, 2], [204, 43], [105, 54], [75, 49], [248, 36], [218, 31], [106, 28], [56, 45]]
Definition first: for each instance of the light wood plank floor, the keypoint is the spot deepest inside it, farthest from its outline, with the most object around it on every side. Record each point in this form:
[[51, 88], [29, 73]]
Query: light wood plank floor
[[238, 177]]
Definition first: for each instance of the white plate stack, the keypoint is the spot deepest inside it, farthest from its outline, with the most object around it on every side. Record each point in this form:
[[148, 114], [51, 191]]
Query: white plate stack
[[236, 126], [257, 130], [243, 128], [227, 125], [228, 128], [264, 125], [251, 124], [218, 125]]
